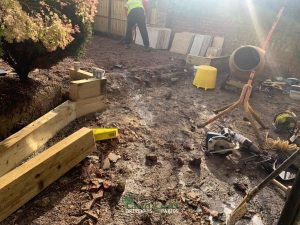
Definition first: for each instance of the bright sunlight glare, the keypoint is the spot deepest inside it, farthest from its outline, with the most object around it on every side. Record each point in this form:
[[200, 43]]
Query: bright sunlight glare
[[254, 19]]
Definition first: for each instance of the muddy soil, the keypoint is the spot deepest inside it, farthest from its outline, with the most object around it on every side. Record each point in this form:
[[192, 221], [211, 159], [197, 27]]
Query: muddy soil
[[158, 111], [22, 103]]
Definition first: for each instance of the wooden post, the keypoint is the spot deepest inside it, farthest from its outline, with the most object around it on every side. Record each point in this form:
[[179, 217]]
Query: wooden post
[[80, 74], [24, 182], [82, 89], [22, 144], [90, 105]]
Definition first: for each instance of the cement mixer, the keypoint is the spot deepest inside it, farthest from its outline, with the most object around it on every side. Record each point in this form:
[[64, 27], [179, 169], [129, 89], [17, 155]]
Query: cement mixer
[[244, 60]]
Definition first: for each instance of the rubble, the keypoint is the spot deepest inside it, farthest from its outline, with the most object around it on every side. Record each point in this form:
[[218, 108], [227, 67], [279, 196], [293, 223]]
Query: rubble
[[113, 157], [98, 195], [92, 215], [79, 220], [151, 160], [106, 164], [87, 205]]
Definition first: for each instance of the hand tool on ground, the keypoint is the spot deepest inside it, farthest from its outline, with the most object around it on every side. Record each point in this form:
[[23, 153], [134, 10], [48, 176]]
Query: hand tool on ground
[[241, 209], [272, 87], [268, 163], [247, 145], [230, 140], [284, 188], [219, 144]]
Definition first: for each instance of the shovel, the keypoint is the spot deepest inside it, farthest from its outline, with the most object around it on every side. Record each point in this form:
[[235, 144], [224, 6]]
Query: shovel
[[241, 209]]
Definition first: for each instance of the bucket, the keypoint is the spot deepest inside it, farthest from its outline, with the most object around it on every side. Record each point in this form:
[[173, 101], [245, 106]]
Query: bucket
[[205, 77]]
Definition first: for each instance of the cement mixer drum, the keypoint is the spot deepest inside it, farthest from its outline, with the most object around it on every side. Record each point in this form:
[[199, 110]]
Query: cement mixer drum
[[246, 59]]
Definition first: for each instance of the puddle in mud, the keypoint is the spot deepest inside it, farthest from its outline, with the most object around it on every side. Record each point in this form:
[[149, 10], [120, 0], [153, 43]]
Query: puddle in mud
[[145, 115]]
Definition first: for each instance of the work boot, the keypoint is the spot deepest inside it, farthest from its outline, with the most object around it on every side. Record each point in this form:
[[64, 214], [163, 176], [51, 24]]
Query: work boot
[[147, 49]]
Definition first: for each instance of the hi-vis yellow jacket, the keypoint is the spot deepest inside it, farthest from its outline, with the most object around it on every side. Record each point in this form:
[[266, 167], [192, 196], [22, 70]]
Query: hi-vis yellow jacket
[[132, 4]]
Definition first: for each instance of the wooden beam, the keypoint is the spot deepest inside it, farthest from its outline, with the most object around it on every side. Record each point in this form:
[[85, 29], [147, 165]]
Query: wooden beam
[[88, 88], [80, 74], [90, 105], [198, 60], [24, 182], [22, 144]]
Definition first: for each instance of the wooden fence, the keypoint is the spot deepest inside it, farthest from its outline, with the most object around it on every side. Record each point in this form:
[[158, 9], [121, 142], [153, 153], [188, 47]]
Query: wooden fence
[[111, 17]]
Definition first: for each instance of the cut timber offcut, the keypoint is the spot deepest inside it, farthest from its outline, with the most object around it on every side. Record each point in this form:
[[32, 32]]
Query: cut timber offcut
[[82, 89], [90, 105], [22, 144], [80, 74], [24, 182]]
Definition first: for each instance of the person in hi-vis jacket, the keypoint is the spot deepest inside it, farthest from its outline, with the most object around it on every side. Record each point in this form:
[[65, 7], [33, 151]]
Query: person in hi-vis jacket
[[136, 15]]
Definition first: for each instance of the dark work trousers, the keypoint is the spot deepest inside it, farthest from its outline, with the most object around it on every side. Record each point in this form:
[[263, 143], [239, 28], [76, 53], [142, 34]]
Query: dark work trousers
[[137, 16]]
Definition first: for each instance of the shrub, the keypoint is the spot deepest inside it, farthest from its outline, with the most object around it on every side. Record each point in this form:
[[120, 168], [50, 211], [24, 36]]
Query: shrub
[[40, 33]]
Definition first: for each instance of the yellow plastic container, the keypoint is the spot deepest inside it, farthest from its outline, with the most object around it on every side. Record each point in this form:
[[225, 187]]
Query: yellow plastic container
[[206, 77], [101, 134]]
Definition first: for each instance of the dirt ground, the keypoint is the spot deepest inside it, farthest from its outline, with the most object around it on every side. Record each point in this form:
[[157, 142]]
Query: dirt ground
[[21, 103], [158, 111]]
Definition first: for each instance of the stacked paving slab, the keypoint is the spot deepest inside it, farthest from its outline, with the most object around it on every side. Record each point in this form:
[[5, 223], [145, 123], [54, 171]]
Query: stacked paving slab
[[183, 43], [208, 46], [159, 37], [197, 44]]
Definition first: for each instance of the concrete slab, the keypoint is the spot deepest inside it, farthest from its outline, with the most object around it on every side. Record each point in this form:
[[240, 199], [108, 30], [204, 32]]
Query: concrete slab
[[206, 44], [164, 38], [182, 42], [197, 44], [159, 38], [213, 52], [218, 42]]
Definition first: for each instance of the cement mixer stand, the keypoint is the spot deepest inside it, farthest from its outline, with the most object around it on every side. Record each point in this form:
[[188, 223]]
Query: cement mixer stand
[[246, 92], [243, 101]]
